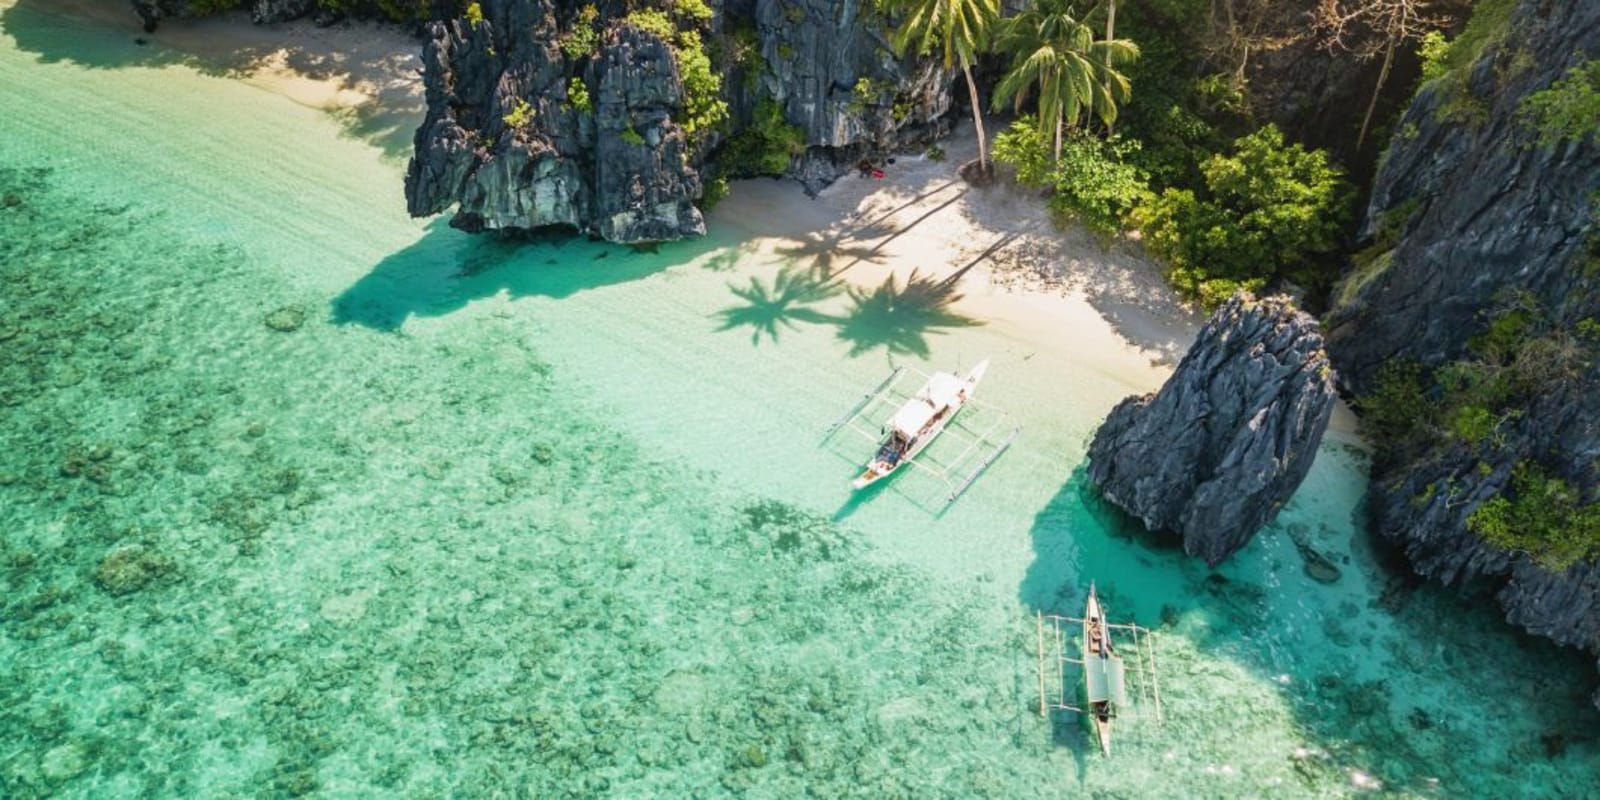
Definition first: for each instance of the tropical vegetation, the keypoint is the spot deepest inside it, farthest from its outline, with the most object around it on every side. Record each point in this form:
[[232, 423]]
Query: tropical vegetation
[[959, 30]]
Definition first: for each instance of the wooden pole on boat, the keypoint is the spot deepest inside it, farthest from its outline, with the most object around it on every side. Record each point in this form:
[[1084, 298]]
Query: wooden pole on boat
[[1039, 631], [1155, 672]]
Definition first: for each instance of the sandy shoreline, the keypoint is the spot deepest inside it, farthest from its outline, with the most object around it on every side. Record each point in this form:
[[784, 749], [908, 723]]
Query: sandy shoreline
[[1098, 305], [367, 73]]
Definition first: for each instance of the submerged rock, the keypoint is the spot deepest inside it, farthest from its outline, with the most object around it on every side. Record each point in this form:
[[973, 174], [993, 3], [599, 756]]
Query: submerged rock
[[127, 570], [286, 319], [1222, 446]]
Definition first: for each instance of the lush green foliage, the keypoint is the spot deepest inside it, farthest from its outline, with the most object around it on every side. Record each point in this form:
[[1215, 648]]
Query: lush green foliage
[[632, 136], [1447, 63], [1542, 515], [1266, 212], [1468, 403], [766, 146], [715, 190], [1094, 180], [703, 107], [957, 29], [1433, 50], [521, 115], [1056, 59], [578, 95], [1569, 108], [474, 14], [1486, 26], [584, 38]]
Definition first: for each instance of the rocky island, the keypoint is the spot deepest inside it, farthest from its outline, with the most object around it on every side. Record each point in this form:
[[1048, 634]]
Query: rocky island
[[1220, 448]]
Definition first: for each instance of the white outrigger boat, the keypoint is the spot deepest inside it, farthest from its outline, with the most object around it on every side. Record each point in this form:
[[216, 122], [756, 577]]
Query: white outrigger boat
[[920, 421], [920, 418], [1105, 675]]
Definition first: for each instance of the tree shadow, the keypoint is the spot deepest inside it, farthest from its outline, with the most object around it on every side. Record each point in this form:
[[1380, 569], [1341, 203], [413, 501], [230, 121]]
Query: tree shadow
[[446, 269], [899, 317], [831, 252], [786, 303], [111, 38]]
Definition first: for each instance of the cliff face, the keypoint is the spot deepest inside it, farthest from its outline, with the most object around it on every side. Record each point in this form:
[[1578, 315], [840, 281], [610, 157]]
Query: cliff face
[[1470, 212], [261, 11], [619, 164], [511, 146], [1231, 434]]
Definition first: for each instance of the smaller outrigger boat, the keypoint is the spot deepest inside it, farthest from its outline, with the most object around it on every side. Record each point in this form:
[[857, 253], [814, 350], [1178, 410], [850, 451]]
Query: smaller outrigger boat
[[1104, 675], [1105, 697], [919, 421]]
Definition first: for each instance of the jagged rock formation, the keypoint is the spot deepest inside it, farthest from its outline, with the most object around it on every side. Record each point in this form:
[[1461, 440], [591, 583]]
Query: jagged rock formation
[[627, 171], [620, 171], [1473, 211], [261, 11], [1231, 434]]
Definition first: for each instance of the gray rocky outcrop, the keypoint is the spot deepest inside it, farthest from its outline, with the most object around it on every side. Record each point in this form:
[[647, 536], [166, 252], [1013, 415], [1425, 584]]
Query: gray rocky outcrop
[[262, 12], [1469, 211], [510, 149], [1220, 448], [622, 166]]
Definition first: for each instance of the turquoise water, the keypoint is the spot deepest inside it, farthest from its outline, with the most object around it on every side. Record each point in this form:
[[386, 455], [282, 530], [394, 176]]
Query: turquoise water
[[300, 496]]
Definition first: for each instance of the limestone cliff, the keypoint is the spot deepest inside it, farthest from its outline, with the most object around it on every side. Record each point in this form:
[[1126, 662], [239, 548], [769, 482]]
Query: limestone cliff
[[610, 145], [1477, 224], [1220, 448]]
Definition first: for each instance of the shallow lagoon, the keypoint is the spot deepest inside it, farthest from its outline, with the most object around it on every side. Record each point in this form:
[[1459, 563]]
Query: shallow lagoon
[[302, 496]]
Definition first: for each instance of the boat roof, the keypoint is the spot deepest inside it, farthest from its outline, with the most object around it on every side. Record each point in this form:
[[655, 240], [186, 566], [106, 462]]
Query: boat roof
[[939, 393], [942, 389], [1104, 680], [912, 416]]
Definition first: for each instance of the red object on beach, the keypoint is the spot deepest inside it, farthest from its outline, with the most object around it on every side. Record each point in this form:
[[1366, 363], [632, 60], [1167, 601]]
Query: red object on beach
[[877, 173]]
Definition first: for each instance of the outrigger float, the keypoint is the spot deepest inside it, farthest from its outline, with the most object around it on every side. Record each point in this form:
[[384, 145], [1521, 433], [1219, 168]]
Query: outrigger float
[[1105, 696], [921, 418]]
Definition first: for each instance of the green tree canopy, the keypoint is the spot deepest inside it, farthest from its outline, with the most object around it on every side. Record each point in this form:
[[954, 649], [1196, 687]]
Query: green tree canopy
[[1268, 210], [959, 30], [1055, 54]]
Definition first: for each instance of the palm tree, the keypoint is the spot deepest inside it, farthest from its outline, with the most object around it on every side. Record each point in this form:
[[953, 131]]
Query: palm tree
[[958, 28], [1056, 53]]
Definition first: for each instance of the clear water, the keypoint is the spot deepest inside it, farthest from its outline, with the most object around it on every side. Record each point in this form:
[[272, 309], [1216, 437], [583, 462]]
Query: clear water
[[553, 519]]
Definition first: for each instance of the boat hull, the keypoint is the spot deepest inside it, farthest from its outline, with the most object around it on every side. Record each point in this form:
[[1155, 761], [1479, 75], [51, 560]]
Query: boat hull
[[1098, 714]]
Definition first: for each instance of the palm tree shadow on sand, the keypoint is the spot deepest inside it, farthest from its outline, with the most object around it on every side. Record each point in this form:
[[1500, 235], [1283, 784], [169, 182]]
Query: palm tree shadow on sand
[[785, 304], [899, 317]]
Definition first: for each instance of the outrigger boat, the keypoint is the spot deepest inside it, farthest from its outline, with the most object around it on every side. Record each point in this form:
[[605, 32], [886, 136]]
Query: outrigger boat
[[920, 421], [903, 427], [1106, 696], [1104, 675]]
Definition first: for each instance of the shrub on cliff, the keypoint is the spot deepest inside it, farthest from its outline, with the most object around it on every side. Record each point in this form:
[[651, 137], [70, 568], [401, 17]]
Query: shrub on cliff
[[1267, 212], [703, 106], [766, 146], [1542, 515]]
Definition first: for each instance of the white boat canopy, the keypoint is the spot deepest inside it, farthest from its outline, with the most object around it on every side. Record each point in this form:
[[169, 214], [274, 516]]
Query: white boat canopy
[[912, 416], [943, 388], [1104, 677], [939, 394]]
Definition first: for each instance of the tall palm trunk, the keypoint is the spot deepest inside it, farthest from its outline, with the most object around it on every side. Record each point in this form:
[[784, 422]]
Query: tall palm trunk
[[1111, 27], [977, 118], [1060, 123], [1383, 75]]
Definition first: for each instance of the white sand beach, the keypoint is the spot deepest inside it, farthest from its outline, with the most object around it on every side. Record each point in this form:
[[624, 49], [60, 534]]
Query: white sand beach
[[1094, 302]]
